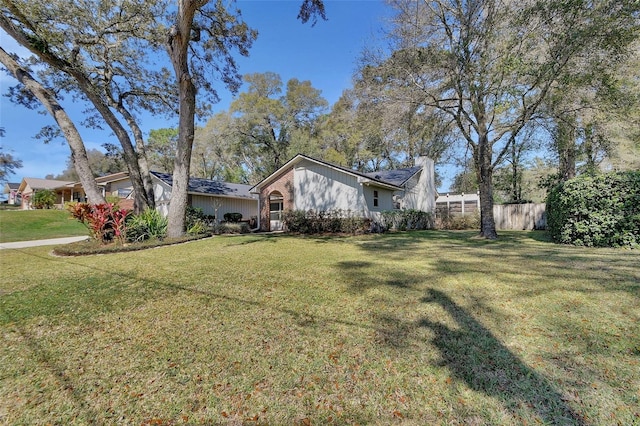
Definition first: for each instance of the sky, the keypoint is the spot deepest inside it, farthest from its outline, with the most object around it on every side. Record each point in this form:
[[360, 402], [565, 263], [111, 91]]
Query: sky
[[325, 54]]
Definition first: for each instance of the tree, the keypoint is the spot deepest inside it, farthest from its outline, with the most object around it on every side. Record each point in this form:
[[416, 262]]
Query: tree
[[263, 128], [48, 100], [595, 117], [178, 43], [99, 58], [8, 165], [161, 148], [465, 181], [92, 53], [266, 120], [216, 155], [43, 199], [488, 65], [101, 164]]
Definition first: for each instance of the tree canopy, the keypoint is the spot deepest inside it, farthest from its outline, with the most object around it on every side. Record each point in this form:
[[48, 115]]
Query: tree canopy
[[488, 66]]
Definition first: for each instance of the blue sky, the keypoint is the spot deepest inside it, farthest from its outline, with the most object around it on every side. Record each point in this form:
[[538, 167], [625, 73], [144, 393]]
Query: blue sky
[[325, 54]]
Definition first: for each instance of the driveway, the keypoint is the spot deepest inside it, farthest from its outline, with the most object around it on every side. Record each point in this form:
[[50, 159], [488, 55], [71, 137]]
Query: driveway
[[36, 243]]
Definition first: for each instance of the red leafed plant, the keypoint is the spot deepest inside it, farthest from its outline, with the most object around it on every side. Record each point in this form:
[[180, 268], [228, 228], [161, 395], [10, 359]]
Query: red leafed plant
[[105, 222]]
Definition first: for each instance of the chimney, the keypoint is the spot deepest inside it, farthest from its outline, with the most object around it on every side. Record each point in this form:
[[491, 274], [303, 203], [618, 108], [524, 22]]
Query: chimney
[[426, 200]]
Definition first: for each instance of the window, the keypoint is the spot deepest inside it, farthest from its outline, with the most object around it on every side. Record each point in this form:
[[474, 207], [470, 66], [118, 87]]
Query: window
[[275, 211], [375, 198], [124, 192]]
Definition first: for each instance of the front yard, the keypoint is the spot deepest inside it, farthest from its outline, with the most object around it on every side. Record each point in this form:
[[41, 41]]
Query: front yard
[[410, 328]]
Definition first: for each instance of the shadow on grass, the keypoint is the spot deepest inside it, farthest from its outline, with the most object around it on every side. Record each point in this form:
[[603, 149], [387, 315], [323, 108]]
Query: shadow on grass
[[152, 288], [365, 275], [476, 357]]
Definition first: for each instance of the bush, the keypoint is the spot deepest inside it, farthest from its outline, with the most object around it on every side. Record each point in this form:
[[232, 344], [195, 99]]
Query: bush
[[231, 228], [596, 211], [403, 220], [196, 222], [332, 221], [106, 222], [149, 224], [456, 222], [43, 199], [233, 217]]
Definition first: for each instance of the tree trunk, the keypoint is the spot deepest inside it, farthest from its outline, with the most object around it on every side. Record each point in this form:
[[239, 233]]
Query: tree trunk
[[140, 201], [484, 170], [566, 145], [178, 44], [181, 166], [78, 152], [143, 164]]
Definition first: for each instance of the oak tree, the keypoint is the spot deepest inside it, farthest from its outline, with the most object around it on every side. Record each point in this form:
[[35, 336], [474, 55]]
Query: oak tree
[[488, 65]]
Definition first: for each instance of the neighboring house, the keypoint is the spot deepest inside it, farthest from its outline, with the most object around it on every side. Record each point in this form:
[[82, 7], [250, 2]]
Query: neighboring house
[[11, 189], [305, 183], [113, 185], [29, 186]]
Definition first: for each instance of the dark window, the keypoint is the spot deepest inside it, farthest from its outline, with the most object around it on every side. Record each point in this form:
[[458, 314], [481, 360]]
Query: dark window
[[375, 198], [124, 192]]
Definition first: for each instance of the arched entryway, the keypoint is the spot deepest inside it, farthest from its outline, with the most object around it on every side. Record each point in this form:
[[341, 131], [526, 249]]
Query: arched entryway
[[276, 207]]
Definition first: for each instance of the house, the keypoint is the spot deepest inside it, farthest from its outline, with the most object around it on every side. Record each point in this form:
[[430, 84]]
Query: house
[[11, 189], [116, 185], [215, 198], [305, 183], [29, 186]]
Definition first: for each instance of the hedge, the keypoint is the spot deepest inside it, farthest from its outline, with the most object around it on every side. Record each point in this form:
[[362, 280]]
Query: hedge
[[596, 211]]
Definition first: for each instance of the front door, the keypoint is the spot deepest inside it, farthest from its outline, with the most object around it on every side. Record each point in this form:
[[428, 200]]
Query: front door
[[276, 206]]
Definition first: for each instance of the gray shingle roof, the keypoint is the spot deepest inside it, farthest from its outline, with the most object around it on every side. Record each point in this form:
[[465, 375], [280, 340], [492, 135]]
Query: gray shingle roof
[[210, 187], [395, 177]]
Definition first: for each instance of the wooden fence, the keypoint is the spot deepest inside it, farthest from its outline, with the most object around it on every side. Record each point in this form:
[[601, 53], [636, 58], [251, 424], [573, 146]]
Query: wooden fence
[[520, 216]]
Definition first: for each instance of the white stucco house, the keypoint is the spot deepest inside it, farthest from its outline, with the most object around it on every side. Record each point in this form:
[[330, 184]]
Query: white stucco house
[[305, 183]]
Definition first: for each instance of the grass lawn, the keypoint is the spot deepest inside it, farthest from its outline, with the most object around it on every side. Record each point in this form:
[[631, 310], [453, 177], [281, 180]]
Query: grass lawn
[[409, 328], [27, 225]]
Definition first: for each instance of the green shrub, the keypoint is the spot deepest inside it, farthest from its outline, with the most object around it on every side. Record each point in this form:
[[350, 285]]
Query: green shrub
[[403, 220], [233, 217], [598, 211], [113, 199], [149, 224], [320, 222], [232, 228], [43, 199], [196, 222], [456, 222]]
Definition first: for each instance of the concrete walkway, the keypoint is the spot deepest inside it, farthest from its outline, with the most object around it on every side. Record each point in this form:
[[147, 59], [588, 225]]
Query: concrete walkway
[[36, 243]]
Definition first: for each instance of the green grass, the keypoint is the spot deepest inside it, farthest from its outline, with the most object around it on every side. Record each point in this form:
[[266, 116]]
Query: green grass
[[409, 328], [27, 225]]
